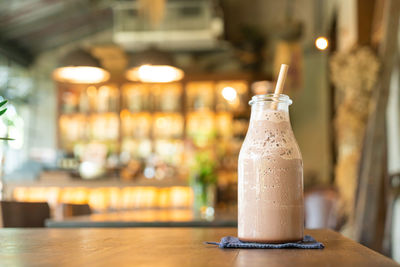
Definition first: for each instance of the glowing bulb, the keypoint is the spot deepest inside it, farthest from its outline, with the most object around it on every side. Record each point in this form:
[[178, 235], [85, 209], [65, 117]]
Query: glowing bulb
[[81, 74], [229, 93], [321, 43], [155, 74], [161, 122]]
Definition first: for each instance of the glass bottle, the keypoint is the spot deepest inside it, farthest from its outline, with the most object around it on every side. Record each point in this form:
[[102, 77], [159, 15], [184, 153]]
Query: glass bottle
[[270, 175]]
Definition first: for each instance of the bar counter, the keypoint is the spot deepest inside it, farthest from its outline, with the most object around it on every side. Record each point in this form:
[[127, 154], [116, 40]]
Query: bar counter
[[103, 194], [148, 218], [170, 247]]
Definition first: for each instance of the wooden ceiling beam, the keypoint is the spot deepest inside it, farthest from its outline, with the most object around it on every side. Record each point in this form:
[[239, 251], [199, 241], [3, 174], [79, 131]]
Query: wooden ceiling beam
[[70, 22], [15, 31], [29, 9], [71, 34], [57, 13]]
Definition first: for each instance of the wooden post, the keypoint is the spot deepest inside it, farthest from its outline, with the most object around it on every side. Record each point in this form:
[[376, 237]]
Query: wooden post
[[373, 164], [365, 13]]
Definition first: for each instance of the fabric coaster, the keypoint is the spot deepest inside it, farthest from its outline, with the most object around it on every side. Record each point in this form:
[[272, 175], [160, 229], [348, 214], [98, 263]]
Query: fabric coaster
[[233, 242]]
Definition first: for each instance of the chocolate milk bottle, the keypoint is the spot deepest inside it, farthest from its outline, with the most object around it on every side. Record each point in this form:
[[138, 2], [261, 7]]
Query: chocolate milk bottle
[[270, 175]]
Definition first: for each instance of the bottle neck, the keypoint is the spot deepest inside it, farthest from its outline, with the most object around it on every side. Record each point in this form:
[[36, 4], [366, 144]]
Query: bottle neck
[[270, 111], [270, 107]]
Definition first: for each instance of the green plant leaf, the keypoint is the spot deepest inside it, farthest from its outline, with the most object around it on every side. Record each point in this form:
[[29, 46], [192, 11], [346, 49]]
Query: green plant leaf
[[2, 103], [6, 139], [3, 111]]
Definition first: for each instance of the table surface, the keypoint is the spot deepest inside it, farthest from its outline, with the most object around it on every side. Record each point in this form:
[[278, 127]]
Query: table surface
[[148, 218], [169, 247]]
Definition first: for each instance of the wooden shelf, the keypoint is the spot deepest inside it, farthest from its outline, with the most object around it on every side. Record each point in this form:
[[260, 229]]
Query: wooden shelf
[[62, 179]]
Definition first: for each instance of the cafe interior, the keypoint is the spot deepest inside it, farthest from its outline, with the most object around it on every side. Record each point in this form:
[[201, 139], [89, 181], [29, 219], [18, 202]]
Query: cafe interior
[[132, 113]]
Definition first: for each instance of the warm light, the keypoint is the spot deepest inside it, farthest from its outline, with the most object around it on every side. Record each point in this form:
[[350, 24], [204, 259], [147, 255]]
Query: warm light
[[229, 93], [155, 74], [90, 170], [161, 123], [81, 74], [109, 197], [321, 43]]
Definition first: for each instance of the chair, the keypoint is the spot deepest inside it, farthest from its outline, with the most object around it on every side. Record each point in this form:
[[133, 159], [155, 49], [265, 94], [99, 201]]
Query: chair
[[23, 214], [69, 210], [321, 208]]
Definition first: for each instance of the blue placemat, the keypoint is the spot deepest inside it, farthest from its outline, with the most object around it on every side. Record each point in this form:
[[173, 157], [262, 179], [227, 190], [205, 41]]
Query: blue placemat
[[233, 242]]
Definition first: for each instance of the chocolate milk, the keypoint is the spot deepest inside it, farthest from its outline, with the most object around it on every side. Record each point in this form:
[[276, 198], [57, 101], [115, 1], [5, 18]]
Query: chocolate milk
[[270, 176]]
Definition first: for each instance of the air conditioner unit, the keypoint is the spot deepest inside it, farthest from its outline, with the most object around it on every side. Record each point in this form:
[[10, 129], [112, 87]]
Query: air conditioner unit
[[186, 25]]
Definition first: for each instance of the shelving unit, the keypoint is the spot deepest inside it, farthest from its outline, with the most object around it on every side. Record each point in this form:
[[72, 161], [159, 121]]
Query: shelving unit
[[143, 121]]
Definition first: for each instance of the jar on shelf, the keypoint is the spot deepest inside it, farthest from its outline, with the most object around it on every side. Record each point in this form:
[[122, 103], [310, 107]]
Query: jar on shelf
[[167, 97], [136, 97], [200, 95]]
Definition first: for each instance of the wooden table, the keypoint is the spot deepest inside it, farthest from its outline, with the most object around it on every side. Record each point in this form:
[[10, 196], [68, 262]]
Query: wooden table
[[169, 247], [147, 218]]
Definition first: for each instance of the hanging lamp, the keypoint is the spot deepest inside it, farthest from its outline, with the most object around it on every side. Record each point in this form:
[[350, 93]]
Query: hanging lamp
[[80, 67], [153, 66]]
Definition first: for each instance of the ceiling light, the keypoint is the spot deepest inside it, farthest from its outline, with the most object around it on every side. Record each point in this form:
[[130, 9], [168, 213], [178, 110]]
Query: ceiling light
[[321, 43], [153, 66], [80, 67], [155, 74]]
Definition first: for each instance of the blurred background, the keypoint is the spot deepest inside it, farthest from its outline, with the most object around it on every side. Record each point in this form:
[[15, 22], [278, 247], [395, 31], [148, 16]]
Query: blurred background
[[142, 105]]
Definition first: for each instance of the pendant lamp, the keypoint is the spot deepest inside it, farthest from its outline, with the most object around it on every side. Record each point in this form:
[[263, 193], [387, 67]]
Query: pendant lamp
[[80, 67], [153, 66]]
